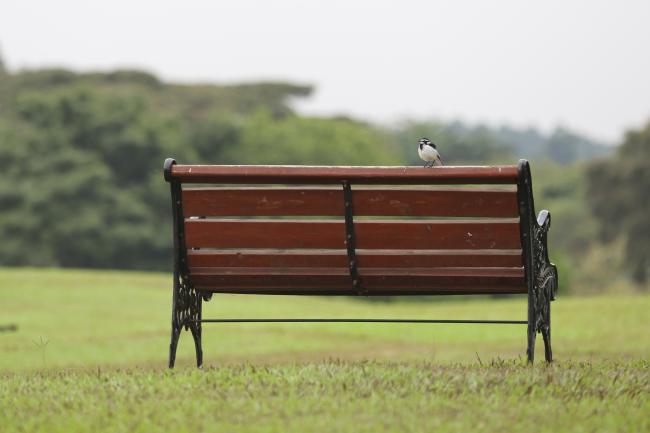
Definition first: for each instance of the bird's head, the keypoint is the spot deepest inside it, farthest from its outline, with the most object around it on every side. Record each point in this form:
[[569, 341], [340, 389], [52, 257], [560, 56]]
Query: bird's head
[[426, 142]]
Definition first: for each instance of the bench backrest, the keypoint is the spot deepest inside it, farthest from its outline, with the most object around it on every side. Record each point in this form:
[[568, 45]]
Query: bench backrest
[[348, 230]]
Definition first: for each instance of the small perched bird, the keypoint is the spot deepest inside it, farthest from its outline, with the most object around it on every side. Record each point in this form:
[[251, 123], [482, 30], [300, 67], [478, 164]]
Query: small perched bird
[[428, 152]]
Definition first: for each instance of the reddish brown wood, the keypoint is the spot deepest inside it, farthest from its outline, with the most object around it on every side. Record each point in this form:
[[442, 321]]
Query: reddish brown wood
[[460, 202], [394, 257], [250, 174], [439, 203], [376, 281], [451, 234], [263, 202], [365, 258], [364, 272], [415, 234], [264, 234]]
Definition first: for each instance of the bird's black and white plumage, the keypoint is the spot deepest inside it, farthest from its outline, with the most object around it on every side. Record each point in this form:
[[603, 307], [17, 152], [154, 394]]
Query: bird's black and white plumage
[[429, 153]]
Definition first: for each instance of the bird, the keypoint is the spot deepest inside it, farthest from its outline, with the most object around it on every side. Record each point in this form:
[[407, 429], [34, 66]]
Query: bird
[[429, 153]]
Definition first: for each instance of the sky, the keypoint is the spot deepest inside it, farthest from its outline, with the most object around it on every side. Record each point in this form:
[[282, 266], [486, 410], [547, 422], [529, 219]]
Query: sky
[[584, 65]]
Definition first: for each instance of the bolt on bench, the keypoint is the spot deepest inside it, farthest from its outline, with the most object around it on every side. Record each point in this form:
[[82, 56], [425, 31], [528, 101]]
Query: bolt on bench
[[454, 230]]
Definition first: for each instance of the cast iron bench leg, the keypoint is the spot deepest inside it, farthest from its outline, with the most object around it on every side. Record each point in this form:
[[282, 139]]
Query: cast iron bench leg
[[539, 320], [546, 329], [195, 328], [196, 333], [186, 313], [546, 334], [532, 329], [176, 332]]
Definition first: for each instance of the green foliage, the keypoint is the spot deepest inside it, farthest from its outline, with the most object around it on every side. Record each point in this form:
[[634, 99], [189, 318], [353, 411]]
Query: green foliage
[[562, 191], [82, 154], [74, 194], [618, 195], [457, 144], [299, 140], [461, 143]]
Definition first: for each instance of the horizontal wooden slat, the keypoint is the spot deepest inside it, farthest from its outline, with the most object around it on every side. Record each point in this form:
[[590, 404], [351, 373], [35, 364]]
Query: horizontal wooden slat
[[383, 281], [439, 203], [365, 258], [264, 234], [260, 174], [383, 234], [366, 202], [263, 202], [479, 234], [506, 272]]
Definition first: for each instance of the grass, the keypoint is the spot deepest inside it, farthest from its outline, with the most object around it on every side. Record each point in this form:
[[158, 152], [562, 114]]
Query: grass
[[334, 396], [91, 347]]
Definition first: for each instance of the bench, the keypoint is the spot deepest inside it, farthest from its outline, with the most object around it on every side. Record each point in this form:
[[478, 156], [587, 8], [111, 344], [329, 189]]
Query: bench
[[357, 231]]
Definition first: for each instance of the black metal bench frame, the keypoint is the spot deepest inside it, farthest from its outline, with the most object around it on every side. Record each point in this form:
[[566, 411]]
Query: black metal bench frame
[[540, 274]]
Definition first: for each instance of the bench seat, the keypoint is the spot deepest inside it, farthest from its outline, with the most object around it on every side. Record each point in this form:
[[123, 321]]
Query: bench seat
[[370, 231]]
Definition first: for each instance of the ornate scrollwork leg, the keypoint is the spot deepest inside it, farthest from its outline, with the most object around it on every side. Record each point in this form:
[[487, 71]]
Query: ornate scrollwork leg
[[546, 289], [531, 332], [545, 281], [546, 334], [176, 332], [186, 313], [195, 327]]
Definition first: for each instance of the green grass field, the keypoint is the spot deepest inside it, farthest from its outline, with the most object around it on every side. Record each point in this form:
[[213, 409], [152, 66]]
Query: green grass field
[[91, 347]]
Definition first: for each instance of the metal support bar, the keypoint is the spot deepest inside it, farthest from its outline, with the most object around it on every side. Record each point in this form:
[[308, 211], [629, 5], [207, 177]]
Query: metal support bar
[[497, 322], [350, 239]]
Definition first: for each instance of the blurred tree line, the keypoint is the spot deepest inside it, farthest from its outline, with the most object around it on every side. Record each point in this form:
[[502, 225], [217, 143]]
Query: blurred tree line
[[82, 153], [465, 144], [619, 195], [82, 157]]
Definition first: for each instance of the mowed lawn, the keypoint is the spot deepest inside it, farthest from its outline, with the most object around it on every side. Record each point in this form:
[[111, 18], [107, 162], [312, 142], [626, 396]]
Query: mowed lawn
[[91, 347]]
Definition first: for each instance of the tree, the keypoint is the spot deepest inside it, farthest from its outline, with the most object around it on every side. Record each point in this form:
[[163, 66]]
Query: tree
[[562, 146], [82, 184], [618, 195]]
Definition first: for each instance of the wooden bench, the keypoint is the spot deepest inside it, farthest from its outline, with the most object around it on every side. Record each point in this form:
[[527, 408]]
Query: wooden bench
[[357, 231]]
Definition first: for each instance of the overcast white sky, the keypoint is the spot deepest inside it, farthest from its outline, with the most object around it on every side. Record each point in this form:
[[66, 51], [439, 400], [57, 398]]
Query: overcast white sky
[[582, 64]]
